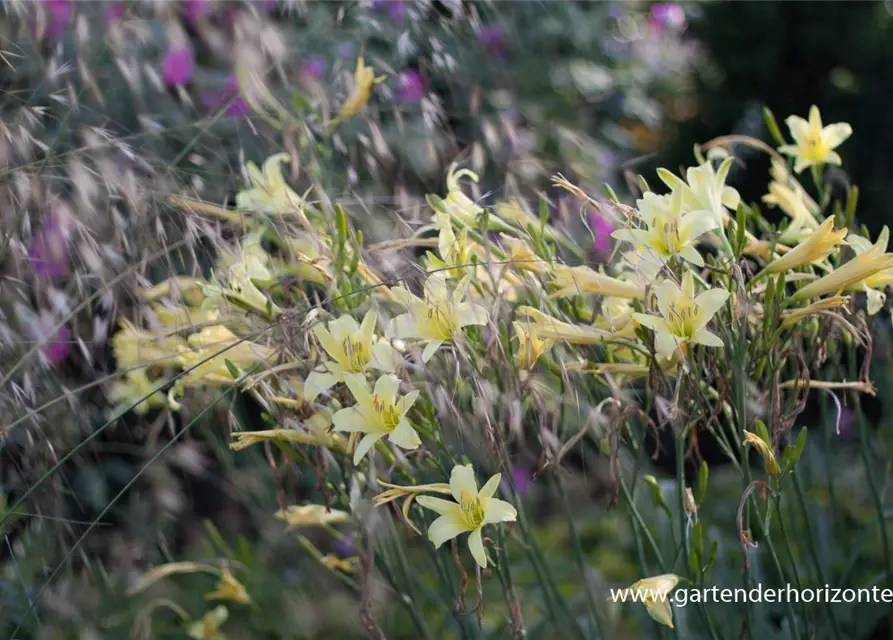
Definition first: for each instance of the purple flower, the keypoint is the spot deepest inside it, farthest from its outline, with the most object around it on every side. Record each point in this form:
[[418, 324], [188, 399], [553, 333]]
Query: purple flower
[[846, 423], [410, 87], [492, 38], [601, 230], [56, 348], [195, 10], [230, 97], [178, 66], [667, 16], [49, 250], [313, 67], [521, 476], [59, 15], [114, 11], [345, 548]]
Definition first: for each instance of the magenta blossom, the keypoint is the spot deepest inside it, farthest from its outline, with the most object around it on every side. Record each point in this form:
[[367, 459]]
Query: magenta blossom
[[410, 87], [229, 97], [602, 228], [493, 39], [396, 9], [57, 348], [48, 252], [313, 67], [178, 66], [345, 548], [195, 10], [521, 477], [667, 16], [115, 11], [59, 14]]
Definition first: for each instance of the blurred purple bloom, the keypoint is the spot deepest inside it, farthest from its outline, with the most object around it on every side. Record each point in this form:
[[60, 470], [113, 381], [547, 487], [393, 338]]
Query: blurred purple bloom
[[195, 10], [56, 348], [313, 67], [667, 16], [410, 87], [266, 5], [59, 15], [345, 548], [178, 66], [601, 230], [845, 424], [346, 50], [49, 250], [493, 39], [114, 11], [396, 9], [230, 97], [521, 476]]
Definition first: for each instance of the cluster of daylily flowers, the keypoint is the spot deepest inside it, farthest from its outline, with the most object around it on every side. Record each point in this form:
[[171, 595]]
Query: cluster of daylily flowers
[[674, 291]]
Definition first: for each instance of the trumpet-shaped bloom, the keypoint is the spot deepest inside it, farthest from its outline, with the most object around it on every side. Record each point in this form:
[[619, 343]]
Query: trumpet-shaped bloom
[[873, 262], [530, 347], [134, 347], [310, 515], [269, 193], [471, 511], [455, 252], [670, 232], [457, 204], [654, 593], [574, 281], [363, 81], [765, 451], [352, 348], [440, 316], [378, 414], [813, 143], [522, 257], [705, 189], [135, 386], [787, 194], [206, 368], [208, 628], [873, 284], [683, 316], [545, 326], [815, 248]]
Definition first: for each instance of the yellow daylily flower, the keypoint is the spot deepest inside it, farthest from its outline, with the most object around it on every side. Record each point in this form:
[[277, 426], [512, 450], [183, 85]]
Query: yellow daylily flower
[[269, 193], [522, 257], [816, 247], [314, 437], [545, 326], [377, 414], [670, 232], [333, 563], [208, 628], [871, 262], [683, 316], [574, 281], [874, 284], [179, 317], [705, 189], [228, 588], [310, 515], [793, 201], [135, 385], [765, 451], [438, 318], [363, 81], [455, 252], [457, 204], [471, 511], [530, 347], [654, 593], [134, 347], [813, 143], [616, 315], [352, 348], [244, 355]]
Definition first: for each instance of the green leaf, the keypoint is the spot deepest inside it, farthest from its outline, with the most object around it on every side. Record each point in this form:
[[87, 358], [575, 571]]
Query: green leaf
[[701, 489], [772, 125]]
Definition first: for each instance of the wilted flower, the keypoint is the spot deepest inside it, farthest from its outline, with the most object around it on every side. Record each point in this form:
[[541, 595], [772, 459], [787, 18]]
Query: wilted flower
[[655, 594], [177, 67], [472, 511], [683, 316], [310, 515], [813, 143], [764, 450], [440, 316]]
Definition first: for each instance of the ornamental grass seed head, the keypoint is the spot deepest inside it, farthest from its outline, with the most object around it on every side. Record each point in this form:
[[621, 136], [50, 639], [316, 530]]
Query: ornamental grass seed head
[[440, 317], [379, 414], [470, 513], [351, 348], [813, 143], [683, 316]]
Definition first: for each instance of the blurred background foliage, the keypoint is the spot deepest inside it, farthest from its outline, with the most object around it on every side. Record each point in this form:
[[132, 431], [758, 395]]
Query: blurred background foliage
[[110, 107]]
